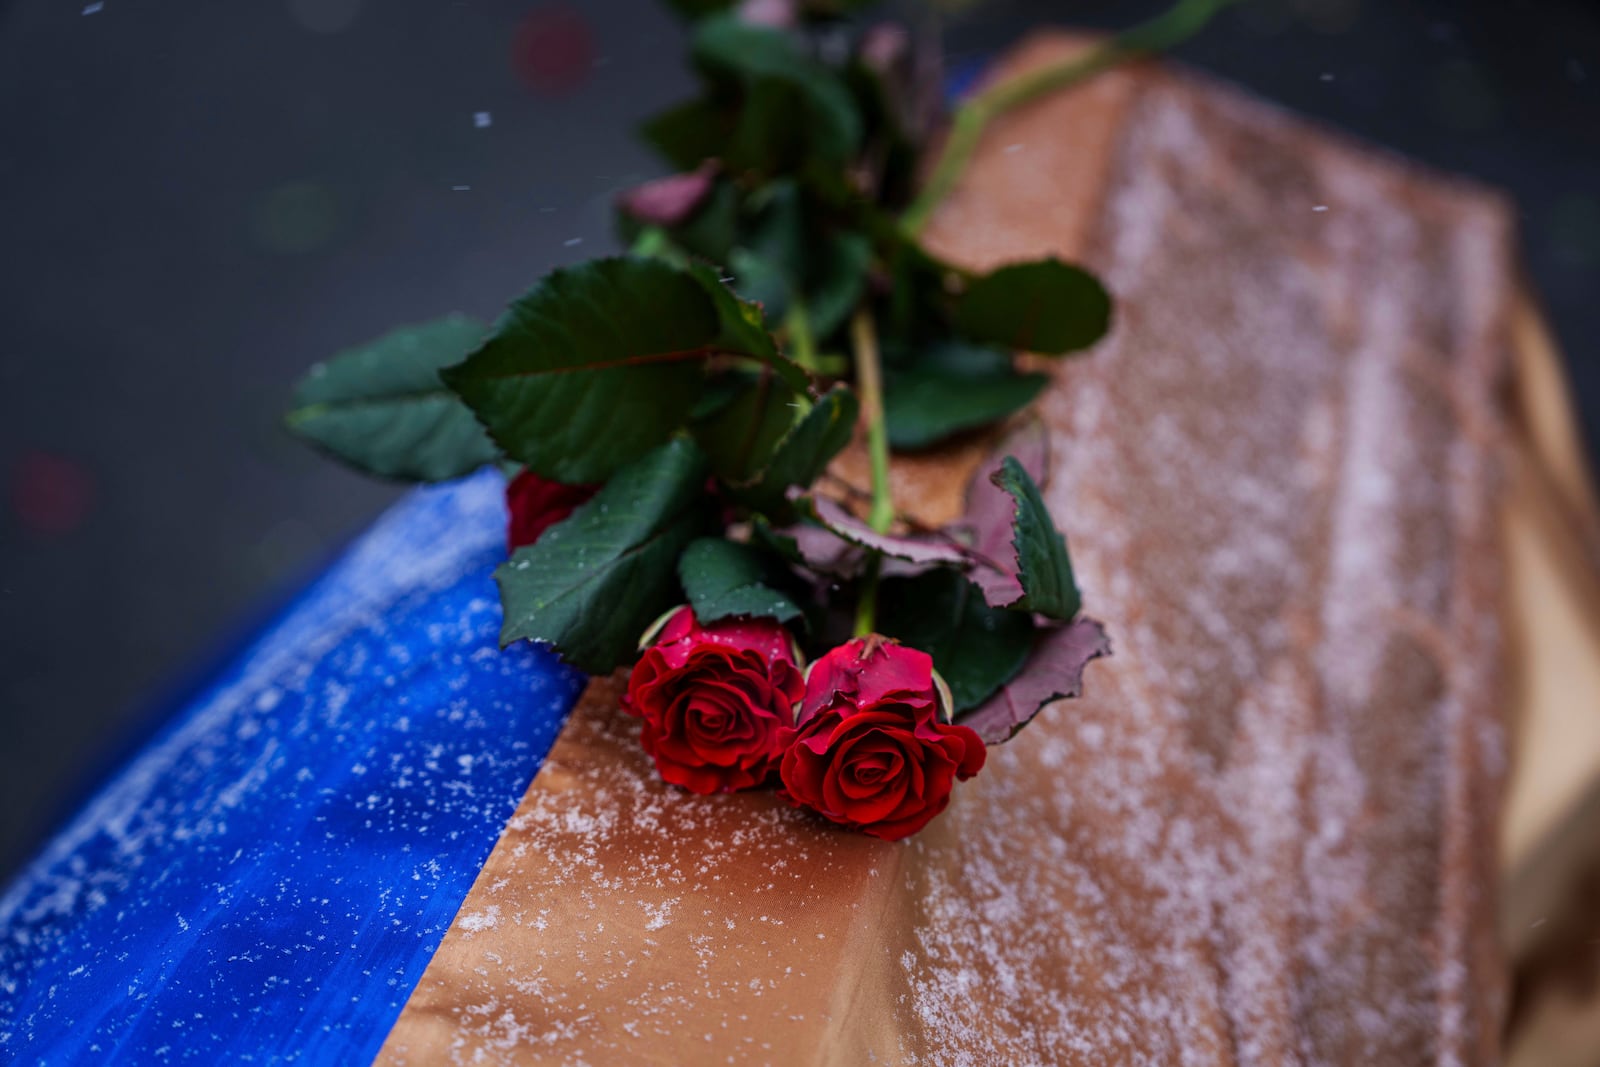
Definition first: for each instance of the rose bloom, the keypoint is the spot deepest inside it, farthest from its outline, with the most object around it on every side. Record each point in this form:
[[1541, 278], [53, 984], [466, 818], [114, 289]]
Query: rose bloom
[[537, 503], [872, 752], [717, 701]]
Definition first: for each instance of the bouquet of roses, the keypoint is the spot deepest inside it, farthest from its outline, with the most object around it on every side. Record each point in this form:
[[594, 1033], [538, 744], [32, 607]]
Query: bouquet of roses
[[667, 421]]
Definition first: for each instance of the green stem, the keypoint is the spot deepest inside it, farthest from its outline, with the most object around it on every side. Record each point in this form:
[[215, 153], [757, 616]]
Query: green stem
[[1180, 22], [802, 342], [869, 382], [867, 605], [652, 241]]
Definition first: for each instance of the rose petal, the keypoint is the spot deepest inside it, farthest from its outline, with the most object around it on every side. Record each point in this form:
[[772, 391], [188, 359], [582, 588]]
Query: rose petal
[[535, 503], [868, 671], [718, 702]]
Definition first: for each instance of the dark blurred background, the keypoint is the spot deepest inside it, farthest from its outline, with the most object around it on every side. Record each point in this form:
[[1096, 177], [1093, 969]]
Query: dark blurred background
[[198, 199]]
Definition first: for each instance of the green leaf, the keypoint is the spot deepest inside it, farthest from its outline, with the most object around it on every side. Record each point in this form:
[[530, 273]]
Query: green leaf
[[696, 9], [1045, 306], [975, 647], [802, 456], [598, 364], [743, 330], [721, 391], [781, 543], [835, 277], [742, 436], [761, 280], [836, 280], [593, 582], [769, 261], [725, 579], [918, 295], [592, 368], [795, 111], [711, 231], [821, 435], [794, 249], [771, 129], [382, 409], [728, 48], [689, 133], [1043, 566], [953, 387]]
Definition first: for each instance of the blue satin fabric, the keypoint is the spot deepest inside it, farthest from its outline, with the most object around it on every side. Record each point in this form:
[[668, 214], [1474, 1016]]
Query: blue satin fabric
[[267, 879]]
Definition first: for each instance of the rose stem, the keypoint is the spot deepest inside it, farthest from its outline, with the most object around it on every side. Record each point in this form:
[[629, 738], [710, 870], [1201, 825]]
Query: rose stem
[[869, 381], [797, 329], [1177, 24], [652, 241]]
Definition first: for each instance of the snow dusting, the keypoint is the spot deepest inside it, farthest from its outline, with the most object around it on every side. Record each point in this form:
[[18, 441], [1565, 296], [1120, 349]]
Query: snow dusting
[[1261, 838], [269, 876]]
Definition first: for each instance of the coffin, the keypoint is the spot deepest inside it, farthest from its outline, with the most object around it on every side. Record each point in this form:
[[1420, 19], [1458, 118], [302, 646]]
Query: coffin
[[1322, 484]]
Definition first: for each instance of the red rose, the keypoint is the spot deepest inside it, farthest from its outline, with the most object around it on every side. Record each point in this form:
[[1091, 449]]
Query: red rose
[[536, 503], [717, 701], [871, 752]]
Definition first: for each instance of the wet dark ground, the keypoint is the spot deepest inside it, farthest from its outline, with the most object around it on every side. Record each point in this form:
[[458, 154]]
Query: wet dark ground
[[199, 199]]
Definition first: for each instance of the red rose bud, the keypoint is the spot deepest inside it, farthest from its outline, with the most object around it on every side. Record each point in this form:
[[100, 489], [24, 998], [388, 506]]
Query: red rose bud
[[871, 752], [537, 503], [777, 14], [671, 200], [717, 701]]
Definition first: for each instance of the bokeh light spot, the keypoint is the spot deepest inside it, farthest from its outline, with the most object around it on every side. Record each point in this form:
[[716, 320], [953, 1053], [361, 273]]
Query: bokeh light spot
[[50, 494], [295, 218], [325, 16], [552, 50]]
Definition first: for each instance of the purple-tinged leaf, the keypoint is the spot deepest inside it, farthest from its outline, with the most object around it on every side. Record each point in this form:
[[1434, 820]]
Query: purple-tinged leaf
[[926, 549], [991, 512], [977, 648], [824, 551], [989, 507], [1053, 672], [672, 200], [1000, 586]]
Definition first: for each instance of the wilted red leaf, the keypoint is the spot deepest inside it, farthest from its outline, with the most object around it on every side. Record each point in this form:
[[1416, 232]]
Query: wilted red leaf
[[925, 549], [1053, 672]]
